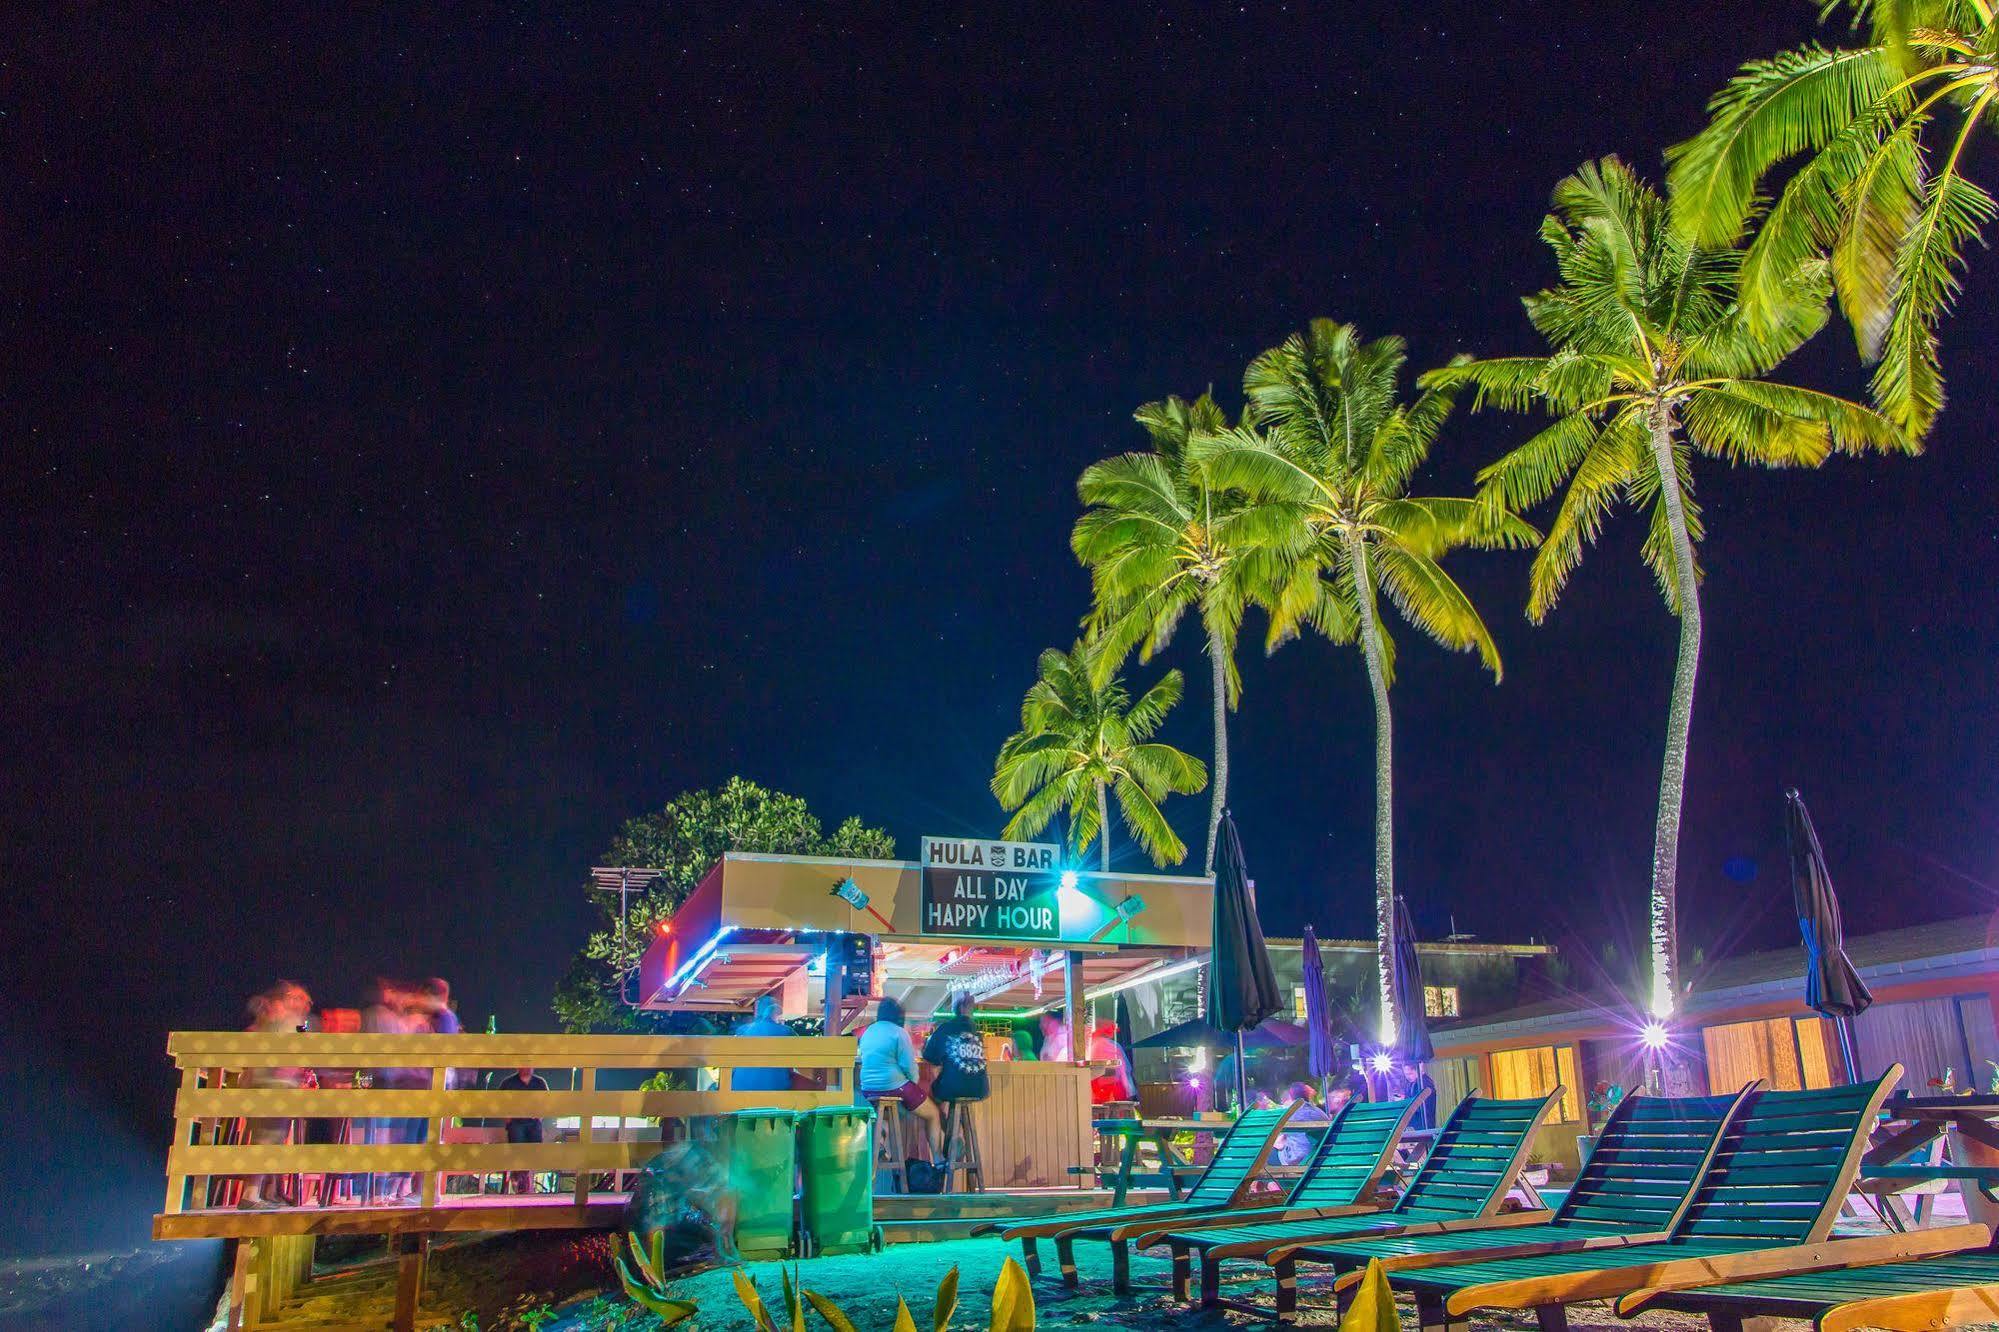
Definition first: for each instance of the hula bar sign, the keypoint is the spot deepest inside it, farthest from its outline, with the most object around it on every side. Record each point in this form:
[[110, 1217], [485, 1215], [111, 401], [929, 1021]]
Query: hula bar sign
[[991, 890]]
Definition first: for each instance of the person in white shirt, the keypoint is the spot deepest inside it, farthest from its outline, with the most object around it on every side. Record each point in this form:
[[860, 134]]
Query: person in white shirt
[[888, 1068]]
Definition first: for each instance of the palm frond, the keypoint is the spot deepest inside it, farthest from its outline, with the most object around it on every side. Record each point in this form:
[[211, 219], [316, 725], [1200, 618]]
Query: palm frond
[[1771, 110], [1427, 597], [1908, 384]]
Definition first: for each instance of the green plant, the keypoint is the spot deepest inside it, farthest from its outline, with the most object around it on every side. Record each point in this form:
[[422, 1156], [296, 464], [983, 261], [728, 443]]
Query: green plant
[[1883, 128], [533, 1319], [683, 841], [1653, 362], [1012, 1306], [1083, 740], [648, 1287], [1322, 467]]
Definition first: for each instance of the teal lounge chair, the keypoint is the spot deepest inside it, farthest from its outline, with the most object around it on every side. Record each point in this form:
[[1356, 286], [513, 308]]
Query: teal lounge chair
[[1784, 1164], [1341, 1178], [1238, 1158], [1638, 1180], [1465, 1178], [1875, 1281]]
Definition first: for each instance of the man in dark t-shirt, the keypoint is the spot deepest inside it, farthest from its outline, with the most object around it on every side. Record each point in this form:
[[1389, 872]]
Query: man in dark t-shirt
[[959, 1052], [522, 1130]]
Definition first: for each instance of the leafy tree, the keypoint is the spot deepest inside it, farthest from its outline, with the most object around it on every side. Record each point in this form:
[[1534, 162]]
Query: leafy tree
[[1159, 541], [683, 841], [1654, 363], [1327, 465], [1081, 742], [1883, 129]]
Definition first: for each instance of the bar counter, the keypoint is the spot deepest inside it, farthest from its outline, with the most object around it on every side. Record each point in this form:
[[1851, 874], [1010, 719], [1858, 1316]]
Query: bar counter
[[1036, 1125]]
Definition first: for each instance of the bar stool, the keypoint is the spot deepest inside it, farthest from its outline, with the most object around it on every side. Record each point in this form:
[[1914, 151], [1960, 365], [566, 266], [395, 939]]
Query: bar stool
[[889, 1155], [961, 1146]]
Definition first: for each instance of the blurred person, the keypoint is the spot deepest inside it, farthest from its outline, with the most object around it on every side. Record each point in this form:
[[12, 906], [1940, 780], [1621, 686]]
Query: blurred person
[[284, 1009], [764, 1023], [392, 1011], [1296, 1148], [1418, 1081], [1054, 1038], [1023, 1044], [888, 1069], [1115, 1083], [523, 1129]]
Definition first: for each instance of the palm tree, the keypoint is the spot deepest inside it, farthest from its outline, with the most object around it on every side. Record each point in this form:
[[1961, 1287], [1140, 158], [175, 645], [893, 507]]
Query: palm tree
[[1081, 742], [1328, 463], [1159, 542], [1883, 127], [1654, 362]]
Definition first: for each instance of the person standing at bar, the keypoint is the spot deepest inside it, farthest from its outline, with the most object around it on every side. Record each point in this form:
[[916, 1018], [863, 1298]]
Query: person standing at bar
[[764, 1023]]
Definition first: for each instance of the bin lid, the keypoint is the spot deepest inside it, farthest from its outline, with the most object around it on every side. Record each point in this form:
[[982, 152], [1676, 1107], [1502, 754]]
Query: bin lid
[[786, 1115], [839, 1111]]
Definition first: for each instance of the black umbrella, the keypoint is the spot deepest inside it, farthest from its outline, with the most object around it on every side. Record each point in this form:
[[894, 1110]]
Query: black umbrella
[[1405, 979], [1242, 990], [1199, 1033], [1832, 986]]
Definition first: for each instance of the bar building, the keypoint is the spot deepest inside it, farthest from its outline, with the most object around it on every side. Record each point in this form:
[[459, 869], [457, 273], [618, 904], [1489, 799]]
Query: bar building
[[828, 937]]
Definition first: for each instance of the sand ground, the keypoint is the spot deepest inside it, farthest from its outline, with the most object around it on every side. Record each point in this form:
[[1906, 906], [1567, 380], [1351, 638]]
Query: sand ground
[[499, 1278]]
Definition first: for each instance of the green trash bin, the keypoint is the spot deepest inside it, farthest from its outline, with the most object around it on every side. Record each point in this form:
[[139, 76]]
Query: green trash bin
[[839, 1179], [763, 1163]]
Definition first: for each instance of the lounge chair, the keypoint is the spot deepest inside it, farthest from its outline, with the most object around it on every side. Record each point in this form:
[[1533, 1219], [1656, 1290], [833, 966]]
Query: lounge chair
[[1776, 1181], [1639, 1178], [1465, 1178], [1225, 1183], [1874, 1281], [1341, 1178]]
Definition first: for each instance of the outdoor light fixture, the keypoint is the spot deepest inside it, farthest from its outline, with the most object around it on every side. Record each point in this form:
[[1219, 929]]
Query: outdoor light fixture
[[1068, 881], [1654, 1036], [1381, 1061]]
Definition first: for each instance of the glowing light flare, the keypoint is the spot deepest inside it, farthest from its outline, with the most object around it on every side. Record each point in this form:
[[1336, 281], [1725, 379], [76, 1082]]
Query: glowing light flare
[[1655, 1036], [1381, 1061]]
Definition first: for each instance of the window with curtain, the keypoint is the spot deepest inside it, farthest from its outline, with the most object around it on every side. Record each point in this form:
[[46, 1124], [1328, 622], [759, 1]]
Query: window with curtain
[[1925, 1036], [1519, 1074], [1788, 1054]]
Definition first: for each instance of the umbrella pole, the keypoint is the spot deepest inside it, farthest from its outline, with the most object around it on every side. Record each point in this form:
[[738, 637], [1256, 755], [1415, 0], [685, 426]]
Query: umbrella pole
[[1849, 1053], [1241, 1078]]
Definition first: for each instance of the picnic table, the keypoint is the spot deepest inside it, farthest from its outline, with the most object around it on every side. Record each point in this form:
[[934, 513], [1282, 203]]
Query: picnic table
[[1919, 1127], [1160, 1133]]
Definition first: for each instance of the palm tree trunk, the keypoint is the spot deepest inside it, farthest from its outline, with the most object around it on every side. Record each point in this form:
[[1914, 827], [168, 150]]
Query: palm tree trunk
[[1384, 790], [1103, 829], [1219, 792], [1679, 722]]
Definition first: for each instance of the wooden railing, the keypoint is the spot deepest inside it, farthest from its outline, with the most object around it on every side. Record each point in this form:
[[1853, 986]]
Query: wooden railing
[[212, 1099]]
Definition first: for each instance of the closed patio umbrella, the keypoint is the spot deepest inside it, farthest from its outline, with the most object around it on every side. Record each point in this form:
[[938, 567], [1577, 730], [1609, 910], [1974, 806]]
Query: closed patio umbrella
[[1320, 1056], [1242, 989], [1199, 1033], [1832, 986], [1412, 1039]]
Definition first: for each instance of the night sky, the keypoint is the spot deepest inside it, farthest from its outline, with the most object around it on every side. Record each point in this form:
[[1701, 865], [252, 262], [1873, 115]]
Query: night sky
[[428, 447]]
